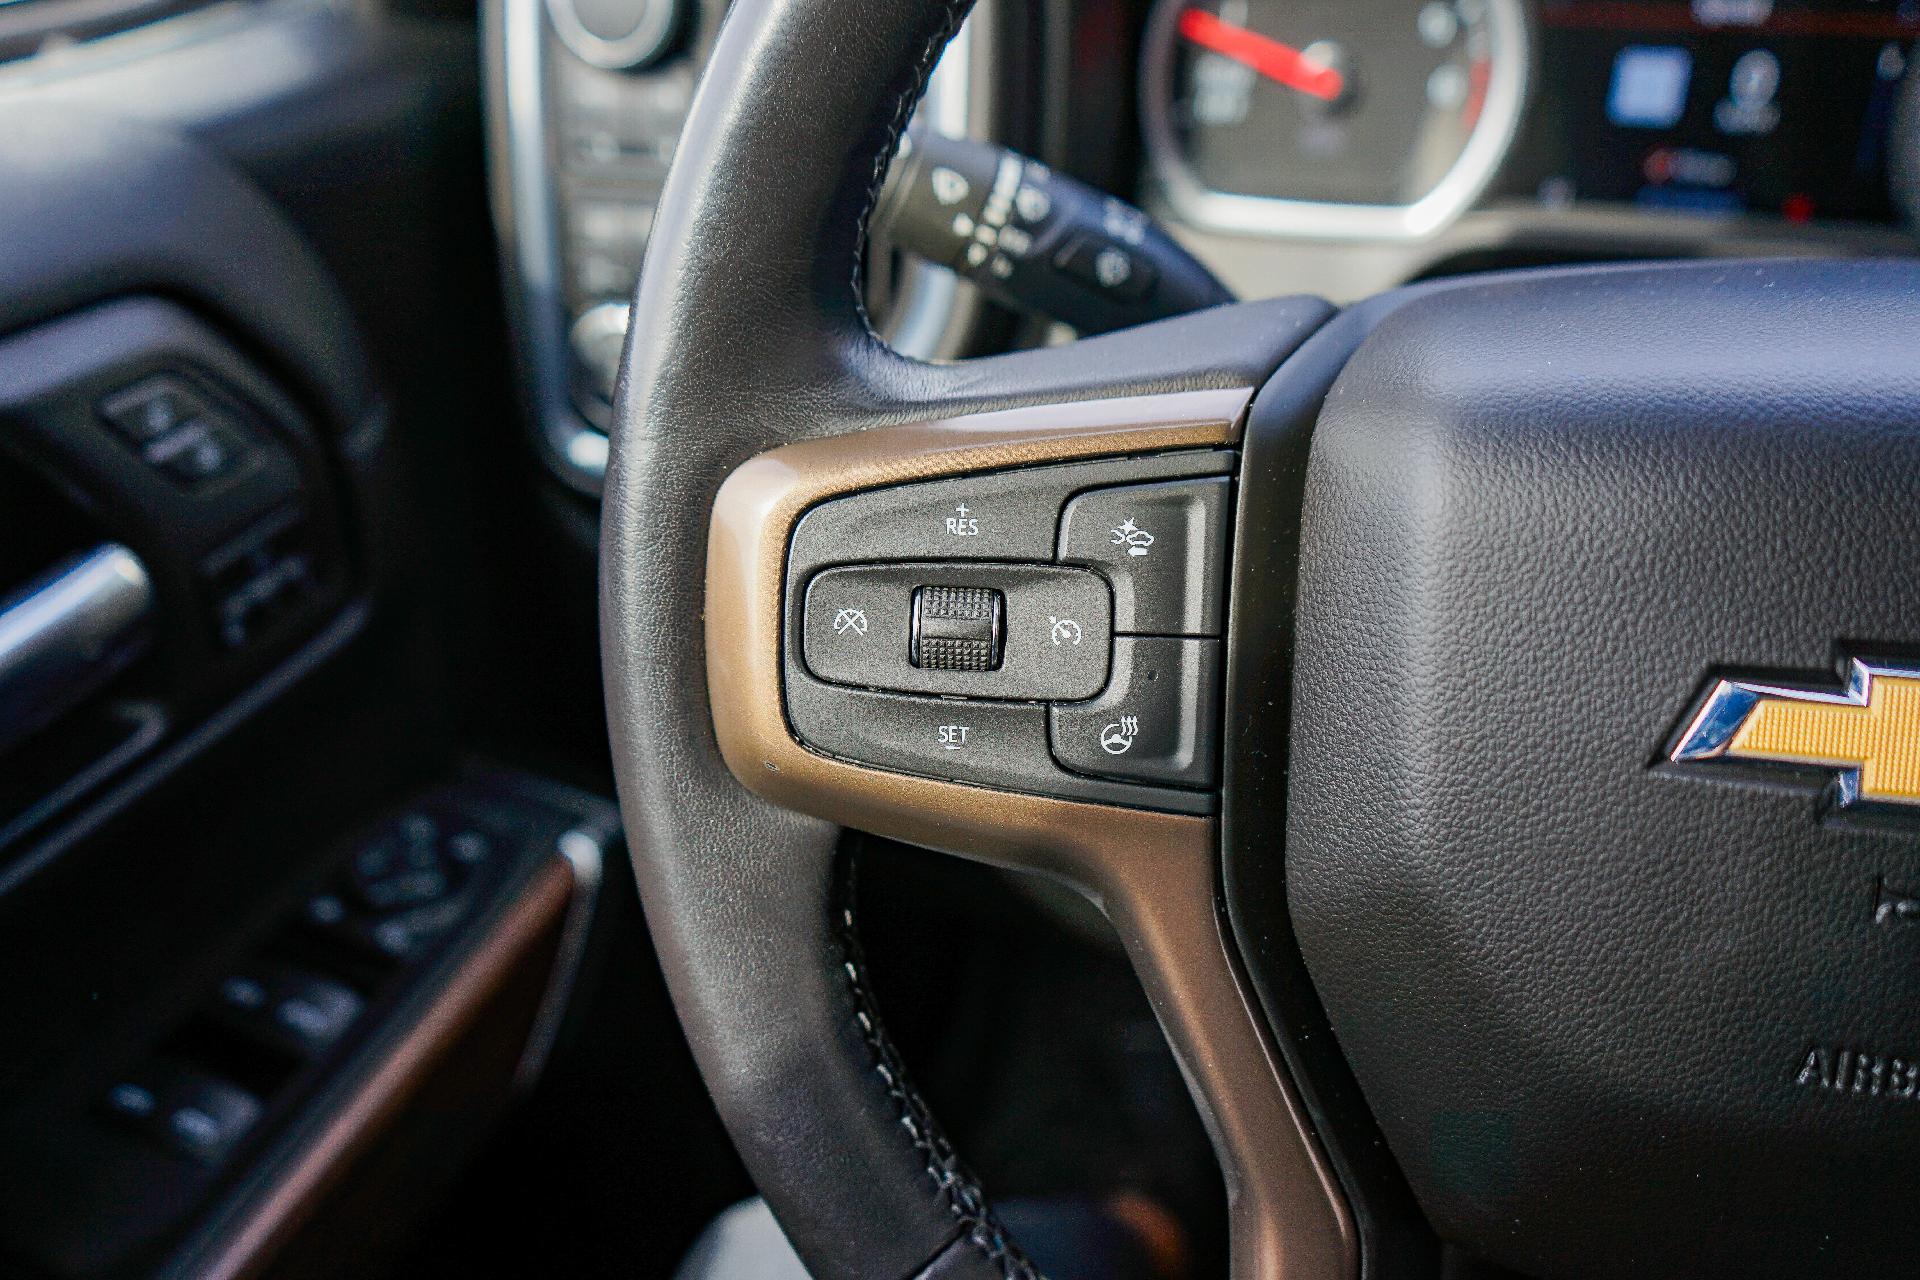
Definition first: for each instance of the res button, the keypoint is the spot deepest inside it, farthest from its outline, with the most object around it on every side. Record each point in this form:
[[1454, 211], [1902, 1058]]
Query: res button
[[1009, 516]]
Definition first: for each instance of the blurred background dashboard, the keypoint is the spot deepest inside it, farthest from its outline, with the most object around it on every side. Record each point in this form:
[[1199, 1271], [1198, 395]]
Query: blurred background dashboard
[[1339, 147]]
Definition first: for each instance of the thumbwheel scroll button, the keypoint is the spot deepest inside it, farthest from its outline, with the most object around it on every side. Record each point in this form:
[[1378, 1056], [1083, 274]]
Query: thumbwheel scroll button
[[958, 628]]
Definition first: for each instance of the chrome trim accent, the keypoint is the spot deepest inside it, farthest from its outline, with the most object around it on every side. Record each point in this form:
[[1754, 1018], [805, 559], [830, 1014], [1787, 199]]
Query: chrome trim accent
[[931, 306], [1710, 733], [526, 212], [928, 299], [1201, 206], [64, 633], [641, 45], [586, 855], [602, 325]]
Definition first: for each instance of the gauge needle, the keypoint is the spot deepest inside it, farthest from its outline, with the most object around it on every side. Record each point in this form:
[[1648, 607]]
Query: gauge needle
[[1278, 62]]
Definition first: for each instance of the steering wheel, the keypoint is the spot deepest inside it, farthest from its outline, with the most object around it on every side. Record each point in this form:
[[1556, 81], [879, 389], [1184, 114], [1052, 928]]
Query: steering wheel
[[1495, 761]]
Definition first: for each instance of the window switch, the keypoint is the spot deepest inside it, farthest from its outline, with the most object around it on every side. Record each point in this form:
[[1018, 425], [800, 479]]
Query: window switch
[[316, 1012], [202, 1117], [301, 1013]]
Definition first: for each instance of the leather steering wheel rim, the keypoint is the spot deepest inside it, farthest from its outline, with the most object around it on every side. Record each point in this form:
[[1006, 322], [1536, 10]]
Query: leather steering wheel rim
[[753, 336]]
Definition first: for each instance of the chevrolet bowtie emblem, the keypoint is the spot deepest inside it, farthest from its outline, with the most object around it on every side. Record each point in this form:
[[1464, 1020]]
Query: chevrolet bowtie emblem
[[1869, 732]]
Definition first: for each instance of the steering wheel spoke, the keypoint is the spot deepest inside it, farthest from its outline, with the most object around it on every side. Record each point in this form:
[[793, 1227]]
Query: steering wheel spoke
[[1153, 871]]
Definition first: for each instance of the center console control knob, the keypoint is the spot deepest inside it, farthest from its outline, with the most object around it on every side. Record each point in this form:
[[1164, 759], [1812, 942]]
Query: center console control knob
[[616, 35], [598, 337]]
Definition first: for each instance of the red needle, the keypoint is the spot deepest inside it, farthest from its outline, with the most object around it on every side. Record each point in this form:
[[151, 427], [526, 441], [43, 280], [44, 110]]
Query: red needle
[[1268, 56]]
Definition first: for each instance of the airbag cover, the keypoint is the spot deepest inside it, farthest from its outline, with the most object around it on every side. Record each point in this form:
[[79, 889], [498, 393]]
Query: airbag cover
[[1580, 986]]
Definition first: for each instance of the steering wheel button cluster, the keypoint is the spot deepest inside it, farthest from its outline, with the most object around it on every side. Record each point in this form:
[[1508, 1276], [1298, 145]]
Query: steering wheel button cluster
[[1056, 625], [1158, 721], [869, 625], [1163, 546]]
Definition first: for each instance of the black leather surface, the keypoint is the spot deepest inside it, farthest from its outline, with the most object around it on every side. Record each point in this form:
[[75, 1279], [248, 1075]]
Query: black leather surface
[[748, 335], [1577, 989]]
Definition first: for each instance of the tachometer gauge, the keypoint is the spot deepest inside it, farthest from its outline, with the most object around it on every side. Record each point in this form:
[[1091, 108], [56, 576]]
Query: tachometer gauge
[[1343, 119]]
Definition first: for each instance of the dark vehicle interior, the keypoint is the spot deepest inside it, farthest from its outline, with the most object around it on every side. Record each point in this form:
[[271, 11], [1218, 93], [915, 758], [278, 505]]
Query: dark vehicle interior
[[1380, 532]]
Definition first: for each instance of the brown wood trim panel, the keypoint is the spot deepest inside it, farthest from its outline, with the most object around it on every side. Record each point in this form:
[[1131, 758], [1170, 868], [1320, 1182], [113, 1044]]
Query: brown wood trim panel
[[528, 928], [1155, 875]]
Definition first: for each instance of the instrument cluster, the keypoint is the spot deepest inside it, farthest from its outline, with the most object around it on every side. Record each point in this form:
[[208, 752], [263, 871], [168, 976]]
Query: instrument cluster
[[1389, 119]]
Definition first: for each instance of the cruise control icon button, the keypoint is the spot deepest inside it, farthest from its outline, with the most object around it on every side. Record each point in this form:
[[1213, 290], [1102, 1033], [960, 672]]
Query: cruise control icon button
[[1018, 632]]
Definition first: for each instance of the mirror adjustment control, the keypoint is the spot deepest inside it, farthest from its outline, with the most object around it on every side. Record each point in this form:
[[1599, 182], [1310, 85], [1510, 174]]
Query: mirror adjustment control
[[957, 628], [1157, 722], [1164, 547], [858, 627]]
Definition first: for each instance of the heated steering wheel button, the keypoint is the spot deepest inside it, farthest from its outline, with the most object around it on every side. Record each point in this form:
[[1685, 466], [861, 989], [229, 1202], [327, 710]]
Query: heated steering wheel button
[[1158, 721], [1163, 546]]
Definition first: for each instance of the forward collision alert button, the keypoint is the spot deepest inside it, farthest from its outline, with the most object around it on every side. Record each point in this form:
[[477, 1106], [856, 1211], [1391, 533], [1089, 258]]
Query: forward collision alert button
[[1158, 721], [1163, 546]]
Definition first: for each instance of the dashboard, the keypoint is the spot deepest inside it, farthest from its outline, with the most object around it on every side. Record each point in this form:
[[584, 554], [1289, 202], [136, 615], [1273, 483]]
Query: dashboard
[[1337, 147], [1381, 118]]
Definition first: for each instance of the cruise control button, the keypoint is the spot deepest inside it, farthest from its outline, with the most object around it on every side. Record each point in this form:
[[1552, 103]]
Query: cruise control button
[[1009, 516], [152, 408], [998, 744], [857, 629], [1163, 546], [198, 452], [1158, 721]]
